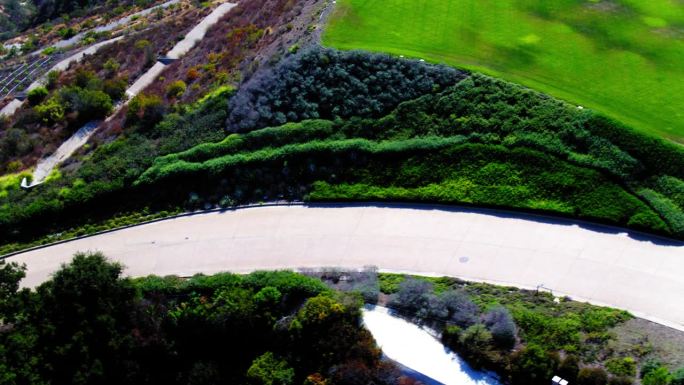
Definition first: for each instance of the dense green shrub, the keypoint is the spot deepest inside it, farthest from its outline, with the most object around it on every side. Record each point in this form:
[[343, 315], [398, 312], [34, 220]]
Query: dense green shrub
[[569, 368], [269, 370], [176, 89], [50, 111], [325, 83], [592, 376], [658, 376], [620, 381], [625, 366], [115, 88], [37, 95], [678, 376], [533, 365], [88, 103], [89, 325], [145, 111], [496, 145], [474, 343]]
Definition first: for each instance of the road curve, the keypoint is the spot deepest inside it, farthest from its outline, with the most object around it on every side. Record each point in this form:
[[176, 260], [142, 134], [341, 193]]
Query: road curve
[[592, 263]]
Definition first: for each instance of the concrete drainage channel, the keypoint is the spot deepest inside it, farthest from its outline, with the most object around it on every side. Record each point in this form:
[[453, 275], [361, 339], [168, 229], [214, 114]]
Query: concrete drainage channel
[[46, 165]]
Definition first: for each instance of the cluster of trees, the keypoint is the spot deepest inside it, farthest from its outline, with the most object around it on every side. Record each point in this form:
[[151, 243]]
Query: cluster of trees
[[86, 98], [327, 84], [524, 336], [89, 325], [15, 17], [496, 144], [482, 338]]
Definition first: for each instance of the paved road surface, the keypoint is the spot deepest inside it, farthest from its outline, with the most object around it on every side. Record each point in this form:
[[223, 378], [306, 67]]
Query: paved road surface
[[602, 266]]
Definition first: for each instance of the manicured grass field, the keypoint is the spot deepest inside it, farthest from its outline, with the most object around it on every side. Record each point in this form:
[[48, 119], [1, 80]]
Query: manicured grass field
[[623, 58]]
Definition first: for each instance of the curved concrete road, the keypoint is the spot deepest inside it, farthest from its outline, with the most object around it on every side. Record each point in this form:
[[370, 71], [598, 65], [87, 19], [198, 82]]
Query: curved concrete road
[[600, 265]]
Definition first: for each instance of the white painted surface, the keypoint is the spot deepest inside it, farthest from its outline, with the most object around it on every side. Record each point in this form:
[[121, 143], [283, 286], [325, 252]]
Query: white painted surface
[[604, 267], [11, 107], [63, 152], [415, 348], [197, 33], [145, 79]]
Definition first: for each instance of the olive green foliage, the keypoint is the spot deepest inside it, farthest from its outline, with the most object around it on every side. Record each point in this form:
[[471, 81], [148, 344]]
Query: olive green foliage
[[51, 111], [678, 377], [145, 110], [511, 316], [569, 368], [37, 95], [111, 66], [88, 103], [109, 169], [176, 89], [496, 145], [659, 376], [533, 365], [556, 159], [269, 370], [592, 376], [474, 342], [625, 366], [115, 88], [89, 325], [86, 99]]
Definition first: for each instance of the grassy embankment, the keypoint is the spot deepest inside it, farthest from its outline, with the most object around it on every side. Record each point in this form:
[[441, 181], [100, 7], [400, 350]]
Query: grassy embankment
[[621, 58]]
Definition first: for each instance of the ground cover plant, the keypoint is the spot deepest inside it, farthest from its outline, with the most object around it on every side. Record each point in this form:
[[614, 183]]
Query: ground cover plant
[[619, 57], [526, 336], [496, 144], [90, 325]]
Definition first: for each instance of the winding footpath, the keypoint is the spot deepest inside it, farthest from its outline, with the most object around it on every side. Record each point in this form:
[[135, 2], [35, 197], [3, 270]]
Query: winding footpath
[[14, 105], [62, 65], [593, 263], [80, 137]]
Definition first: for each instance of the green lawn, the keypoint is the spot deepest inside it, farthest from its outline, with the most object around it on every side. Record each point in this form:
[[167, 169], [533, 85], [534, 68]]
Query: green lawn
[[623, 58]]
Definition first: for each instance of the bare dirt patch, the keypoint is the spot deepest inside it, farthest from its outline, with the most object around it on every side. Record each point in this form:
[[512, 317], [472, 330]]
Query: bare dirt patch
[[641, 338]]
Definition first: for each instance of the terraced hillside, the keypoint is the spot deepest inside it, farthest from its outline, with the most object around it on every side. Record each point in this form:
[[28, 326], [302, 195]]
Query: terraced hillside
[[619, 57]]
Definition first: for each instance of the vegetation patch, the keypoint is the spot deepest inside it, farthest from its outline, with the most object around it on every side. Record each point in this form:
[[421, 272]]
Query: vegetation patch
[[479, 142], [616, 57], [266, 328], [524, 335]]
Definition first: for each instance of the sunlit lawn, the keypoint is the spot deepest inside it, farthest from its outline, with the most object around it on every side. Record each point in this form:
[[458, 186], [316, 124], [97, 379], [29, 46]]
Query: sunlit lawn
[[622, 58]]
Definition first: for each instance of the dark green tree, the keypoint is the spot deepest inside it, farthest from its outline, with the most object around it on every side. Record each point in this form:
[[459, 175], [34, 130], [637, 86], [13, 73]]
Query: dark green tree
[[267, 369], [82, 320]]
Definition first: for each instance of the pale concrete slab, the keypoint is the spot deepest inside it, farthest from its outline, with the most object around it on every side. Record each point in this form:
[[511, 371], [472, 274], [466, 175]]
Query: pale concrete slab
[[601, 265]]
